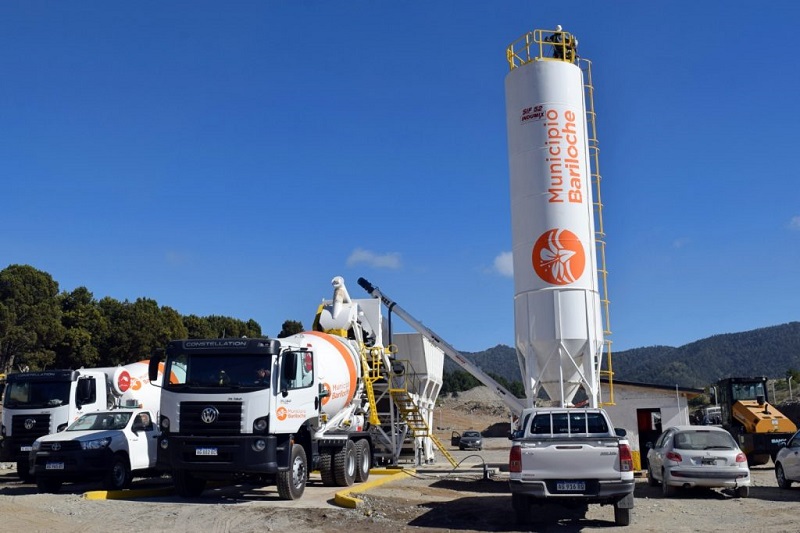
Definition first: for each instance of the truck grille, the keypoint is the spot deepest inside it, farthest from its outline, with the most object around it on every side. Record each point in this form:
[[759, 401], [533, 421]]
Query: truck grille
[[210, 418], [30, 426], [62, 446]]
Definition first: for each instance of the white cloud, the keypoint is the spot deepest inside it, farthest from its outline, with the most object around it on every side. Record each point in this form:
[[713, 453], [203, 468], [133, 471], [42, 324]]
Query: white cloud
[[504, 264], [360, 256], [680, 243], [794, 224]]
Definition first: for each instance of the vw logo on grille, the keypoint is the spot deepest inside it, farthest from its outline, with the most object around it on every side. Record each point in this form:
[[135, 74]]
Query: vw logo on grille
[[56, 446], [30, 423], [209, 415]]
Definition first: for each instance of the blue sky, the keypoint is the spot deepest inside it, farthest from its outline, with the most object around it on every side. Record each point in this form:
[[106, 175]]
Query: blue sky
[[233, 157]]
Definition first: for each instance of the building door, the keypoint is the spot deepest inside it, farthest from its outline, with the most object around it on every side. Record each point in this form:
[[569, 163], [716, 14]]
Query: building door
[[649, 425]]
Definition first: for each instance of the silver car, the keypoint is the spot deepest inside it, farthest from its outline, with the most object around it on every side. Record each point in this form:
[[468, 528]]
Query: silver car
[[787, 462], [471, 440], [697, 456]]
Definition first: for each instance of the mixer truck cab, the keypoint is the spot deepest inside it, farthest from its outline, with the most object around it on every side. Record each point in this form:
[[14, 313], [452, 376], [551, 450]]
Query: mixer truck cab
[[220, 419], [40, 403]]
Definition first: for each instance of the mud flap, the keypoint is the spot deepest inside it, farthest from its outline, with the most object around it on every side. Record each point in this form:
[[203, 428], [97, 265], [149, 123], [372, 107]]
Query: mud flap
[[626, 502]]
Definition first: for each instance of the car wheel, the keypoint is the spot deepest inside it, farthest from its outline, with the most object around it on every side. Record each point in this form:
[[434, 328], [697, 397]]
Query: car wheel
[[651, 480], [742, 492], [23, 471], [780, 476], [667, 490]]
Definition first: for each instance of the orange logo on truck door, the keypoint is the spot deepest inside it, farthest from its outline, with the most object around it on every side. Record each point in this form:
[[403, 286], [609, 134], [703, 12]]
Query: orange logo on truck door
[[281, 413], [558, 257]]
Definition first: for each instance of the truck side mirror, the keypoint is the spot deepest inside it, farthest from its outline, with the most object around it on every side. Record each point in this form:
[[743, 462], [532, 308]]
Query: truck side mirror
[[152, 368]]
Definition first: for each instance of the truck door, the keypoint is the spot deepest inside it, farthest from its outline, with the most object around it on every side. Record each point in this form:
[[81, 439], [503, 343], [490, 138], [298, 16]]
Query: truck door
[[142, 441], [297, 398]]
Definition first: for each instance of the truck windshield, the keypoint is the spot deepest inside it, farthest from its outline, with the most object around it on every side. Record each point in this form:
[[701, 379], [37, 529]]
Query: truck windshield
[[100, 421], [219, 371], [36, 394]]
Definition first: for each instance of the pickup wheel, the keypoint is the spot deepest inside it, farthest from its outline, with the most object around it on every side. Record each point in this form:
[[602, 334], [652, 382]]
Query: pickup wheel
[[742, 492], [363, 460], [23, 471], [325, 466], [48, 484], [344, 465], [622, 517], [118, 476], [522, 508], [292, 483], [186, 485]]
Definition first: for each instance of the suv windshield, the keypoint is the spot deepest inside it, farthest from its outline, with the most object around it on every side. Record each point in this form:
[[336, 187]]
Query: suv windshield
[[100, 421]]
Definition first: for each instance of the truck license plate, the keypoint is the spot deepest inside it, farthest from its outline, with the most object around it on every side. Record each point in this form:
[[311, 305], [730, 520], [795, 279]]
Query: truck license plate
[[25, 448], [206, 451], [54, 466], [571, 486]]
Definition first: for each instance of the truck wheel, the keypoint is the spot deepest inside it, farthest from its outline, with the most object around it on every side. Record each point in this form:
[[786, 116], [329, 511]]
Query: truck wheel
[[742, 492], [326, 468], [292, 482], [522, 508], [780, 476], [118, 476], [48, 484], [622, 517], [344, 465], [24, 471], [363, 460], [187, 485]]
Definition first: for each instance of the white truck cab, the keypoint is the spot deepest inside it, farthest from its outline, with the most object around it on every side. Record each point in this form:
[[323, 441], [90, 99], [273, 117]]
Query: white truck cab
[[110, 446]]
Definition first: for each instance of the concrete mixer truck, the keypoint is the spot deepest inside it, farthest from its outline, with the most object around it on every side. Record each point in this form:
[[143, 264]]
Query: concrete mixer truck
[[271, 410], [40, 403]]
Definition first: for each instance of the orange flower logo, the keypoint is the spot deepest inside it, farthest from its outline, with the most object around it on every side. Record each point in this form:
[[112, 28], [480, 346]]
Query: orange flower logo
[[327, 396], [281, 413], [558, 257]]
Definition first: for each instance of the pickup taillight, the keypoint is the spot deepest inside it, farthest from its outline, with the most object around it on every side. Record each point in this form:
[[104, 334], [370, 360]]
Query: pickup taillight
[[515, 459], [625, 458]]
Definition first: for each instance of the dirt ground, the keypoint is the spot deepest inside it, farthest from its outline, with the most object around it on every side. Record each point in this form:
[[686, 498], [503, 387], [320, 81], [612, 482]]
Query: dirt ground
[[434, 498]]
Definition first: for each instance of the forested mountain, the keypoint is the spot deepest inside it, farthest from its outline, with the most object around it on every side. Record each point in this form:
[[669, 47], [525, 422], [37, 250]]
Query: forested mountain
[[760, 352]]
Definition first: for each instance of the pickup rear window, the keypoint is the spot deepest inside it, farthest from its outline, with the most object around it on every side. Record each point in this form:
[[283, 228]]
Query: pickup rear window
[[568, 423]]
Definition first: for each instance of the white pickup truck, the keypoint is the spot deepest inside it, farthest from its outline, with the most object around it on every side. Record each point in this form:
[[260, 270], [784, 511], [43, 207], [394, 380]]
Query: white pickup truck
[[570, 457], [106, 445]]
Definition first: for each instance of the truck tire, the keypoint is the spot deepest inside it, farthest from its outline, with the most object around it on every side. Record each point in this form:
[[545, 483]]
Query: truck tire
[[363, 460], [24, 471], [48, 485], [292, 483], [780, 477], [325, 466], [522, 508], [186, 485], [742, 492], [118, 476], [622, 517], [344, 465]]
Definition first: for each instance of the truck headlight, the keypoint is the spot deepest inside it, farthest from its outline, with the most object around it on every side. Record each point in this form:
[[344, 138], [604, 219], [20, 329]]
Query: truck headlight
[[97, 444], [164, 423], [36, 445]]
